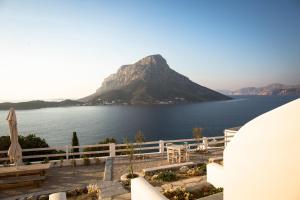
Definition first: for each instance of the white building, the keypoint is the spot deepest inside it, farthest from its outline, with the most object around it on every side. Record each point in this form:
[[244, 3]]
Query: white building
[[262, 161]]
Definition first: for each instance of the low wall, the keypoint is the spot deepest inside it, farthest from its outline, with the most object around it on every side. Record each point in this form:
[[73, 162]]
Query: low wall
[[215, 174], [79, 162], [141, 189]]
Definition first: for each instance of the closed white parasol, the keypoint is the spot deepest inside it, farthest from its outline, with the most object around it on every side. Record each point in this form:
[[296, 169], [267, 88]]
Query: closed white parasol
[[15, 150]]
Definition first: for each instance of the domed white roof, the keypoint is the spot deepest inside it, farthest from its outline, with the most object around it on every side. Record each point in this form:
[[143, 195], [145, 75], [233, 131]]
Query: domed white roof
[[262, 161]]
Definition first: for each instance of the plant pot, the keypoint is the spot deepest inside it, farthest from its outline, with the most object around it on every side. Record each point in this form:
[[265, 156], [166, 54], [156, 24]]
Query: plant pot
[[125, 177]]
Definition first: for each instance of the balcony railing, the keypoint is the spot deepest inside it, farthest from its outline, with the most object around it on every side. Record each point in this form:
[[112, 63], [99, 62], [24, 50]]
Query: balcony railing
[[111, 150]]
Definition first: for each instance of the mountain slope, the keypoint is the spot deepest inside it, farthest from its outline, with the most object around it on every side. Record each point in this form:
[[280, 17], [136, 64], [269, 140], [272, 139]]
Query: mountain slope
[[275, 89], [38, 104], [150, 81]]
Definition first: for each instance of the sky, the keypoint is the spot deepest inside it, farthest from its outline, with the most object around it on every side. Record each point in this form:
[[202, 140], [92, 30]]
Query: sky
[[64, 49]]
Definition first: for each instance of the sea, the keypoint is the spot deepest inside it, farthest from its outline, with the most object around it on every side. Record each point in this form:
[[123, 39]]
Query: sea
[[157, 122]]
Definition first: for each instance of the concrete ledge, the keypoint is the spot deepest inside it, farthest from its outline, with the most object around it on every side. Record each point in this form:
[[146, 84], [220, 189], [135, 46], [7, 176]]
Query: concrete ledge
[[79, 161], [108, 169], [110, 189], [149, 171], [215, 174], [141, 189], [215, 159]]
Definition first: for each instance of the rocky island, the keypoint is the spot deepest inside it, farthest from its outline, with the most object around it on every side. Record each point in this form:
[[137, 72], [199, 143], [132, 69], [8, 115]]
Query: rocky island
[[150, 81], [275, 89], [39, 104]]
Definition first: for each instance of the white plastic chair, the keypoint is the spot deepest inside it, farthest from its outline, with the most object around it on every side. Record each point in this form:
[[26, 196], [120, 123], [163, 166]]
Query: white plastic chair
[[204, 145]]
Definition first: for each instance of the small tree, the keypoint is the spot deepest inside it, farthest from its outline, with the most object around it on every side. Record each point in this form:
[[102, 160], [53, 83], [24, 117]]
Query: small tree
[[139, 138], [130, 153], [27, 142], [197, 133], [108, 140], [75, 142]]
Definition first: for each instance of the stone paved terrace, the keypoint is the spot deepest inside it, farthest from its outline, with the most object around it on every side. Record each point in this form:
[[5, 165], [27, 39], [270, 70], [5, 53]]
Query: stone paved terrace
[[60, 179], [63, 179], [120, 166]]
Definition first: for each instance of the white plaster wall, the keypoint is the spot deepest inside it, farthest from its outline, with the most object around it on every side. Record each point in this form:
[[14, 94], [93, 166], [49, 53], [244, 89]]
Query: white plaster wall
[[262, 161], [58, 196], [142, 190], [215, 174]]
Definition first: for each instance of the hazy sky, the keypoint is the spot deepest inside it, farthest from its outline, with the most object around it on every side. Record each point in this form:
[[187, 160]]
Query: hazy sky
[[64, 49]]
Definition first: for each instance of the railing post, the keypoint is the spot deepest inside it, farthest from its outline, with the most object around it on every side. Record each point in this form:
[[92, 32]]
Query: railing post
[[112, 149], [67, 152], [161, 146]]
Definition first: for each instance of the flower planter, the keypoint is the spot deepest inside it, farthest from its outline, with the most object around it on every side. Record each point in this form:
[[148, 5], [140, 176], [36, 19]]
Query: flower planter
[[125, 177]]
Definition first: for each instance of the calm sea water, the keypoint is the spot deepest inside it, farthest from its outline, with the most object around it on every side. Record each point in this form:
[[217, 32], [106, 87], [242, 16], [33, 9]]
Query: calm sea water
[[94, 123]]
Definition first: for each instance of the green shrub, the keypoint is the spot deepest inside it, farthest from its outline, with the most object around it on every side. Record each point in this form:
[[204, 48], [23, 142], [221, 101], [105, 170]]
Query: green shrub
[[4, 142], [167, 176], [207, 191], [28, 142], [105, 141], [197, 171], [214, 191], [193, 172], [178, 194], [202, 168]]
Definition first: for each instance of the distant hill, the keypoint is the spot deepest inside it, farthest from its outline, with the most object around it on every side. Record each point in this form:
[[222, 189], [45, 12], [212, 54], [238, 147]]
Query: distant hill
[[150, 81], [38, 104], [276, 89]]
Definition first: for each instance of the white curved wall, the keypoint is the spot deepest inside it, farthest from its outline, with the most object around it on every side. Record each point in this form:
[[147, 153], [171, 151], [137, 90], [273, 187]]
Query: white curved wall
[[215, 174], [58, 196], [142, 190], [262, 162]]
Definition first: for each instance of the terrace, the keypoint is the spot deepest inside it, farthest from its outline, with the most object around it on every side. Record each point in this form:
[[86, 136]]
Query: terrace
[[104, 164], [269, 171]]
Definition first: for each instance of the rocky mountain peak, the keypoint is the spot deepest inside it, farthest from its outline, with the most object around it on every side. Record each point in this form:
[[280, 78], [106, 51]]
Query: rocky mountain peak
[[152, 60], [150, 80]]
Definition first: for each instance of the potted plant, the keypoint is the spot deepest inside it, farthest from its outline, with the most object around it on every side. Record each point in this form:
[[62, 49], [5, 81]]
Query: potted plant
[[197, 133], [131, 174], [139, 139]]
